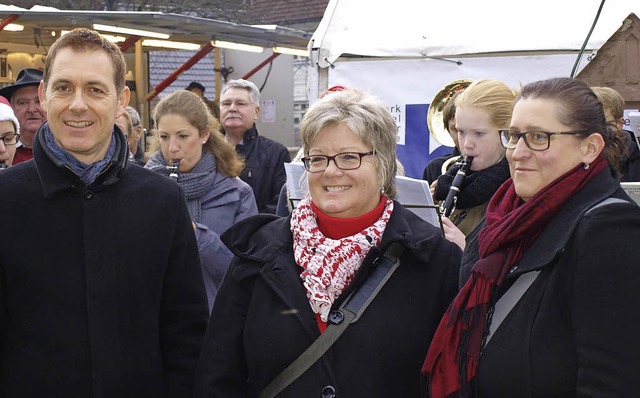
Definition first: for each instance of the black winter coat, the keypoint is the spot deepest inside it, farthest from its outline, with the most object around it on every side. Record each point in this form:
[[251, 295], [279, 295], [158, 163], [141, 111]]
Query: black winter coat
[[264, 169], [630, 164], [101, 291], [574, 333], [262, 319]]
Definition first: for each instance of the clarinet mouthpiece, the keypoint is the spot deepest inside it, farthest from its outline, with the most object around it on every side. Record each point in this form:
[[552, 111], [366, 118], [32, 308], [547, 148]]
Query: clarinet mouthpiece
[[174, 170]]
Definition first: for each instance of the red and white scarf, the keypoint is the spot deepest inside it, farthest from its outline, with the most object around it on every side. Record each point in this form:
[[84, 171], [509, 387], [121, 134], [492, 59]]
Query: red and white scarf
[[328, 265]]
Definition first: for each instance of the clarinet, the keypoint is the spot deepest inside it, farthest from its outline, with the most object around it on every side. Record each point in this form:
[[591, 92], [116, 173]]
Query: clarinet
[[173, 170], [449, 204]]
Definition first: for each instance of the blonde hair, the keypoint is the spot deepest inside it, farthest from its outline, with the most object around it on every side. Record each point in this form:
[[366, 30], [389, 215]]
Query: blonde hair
[[490, 96], [611, 100]]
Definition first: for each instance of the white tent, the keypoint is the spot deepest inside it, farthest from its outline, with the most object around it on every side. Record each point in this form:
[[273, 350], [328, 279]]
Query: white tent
[[424, 28], [405, 51]]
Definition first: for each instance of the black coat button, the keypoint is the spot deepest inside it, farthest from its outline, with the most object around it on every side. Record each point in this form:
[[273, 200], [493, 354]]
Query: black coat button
[[328, 392], [336, 317], [88, 195]]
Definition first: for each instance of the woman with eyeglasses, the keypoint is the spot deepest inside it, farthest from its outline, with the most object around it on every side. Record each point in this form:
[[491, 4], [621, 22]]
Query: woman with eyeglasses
[[207, 170], [290, 275], [550, 309], [9, 133]]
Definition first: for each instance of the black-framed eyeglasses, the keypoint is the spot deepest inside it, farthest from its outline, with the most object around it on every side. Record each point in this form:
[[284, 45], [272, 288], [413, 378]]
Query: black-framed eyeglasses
[[343, 161], [535, 140], [10, 138]]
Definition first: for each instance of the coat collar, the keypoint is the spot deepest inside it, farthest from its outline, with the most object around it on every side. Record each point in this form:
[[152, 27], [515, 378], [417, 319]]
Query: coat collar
[[55, 176], [552, 241], [221, 185], [250, 135], [418, 237], [265, 244]]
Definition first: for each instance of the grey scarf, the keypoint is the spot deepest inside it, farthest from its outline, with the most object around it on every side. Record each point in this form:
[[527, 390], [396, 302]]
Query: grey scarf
[[87, 172], [195, 183]]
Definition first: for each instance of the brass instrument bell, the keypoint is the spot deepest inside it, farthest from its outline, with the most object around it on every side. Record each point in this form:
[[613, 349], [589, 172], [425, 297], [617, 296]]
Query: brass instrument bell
[[435, 123]]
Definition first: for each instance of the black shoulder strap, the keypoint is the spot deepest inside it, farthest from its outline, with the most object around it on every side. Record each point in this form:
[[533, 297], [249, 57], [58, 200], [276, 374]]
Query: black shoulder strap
[[607, 201], [348, 313], [510, 298]]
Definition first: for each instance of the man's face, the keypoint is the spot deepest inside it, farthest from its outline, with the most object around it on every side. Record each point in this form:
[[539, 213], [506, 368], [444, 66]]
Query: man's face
[[82, 103], [133, 139], [26, 105], [132, 133], [619, 123], [237, 112]]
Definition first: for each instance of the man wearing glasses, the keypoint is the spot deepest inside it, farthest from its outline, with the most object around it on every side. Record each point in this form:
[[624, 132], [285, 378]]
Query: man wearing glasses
[[264, 169]]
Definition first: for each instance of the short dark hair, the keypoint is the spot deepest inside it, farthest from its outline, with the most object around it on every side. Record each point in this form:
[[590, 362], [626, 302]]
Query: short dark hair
[[449, 110], [84, 40]]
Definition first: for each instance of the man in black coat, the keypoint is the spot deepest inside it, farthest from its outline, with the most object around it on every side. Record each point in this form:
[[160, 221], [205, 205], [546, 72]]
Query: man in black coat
[[101, 292], [265, 158]]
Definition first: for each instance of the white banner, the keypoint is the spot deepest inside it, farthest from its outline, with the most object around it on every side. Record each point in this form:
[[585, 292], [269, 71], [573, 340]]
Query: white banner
[[408, 86]]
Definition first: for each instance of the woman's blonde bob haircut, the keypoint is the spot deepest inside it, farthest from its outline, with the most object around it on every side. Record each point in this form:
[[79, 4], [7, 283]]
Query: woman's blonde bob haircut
[[368, 118]]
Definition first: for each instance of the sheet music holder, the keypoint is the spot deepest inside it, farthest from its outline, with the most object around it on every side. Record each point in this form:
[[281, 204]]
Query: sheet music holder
[[633, 116], [632, 189], [413, 194]]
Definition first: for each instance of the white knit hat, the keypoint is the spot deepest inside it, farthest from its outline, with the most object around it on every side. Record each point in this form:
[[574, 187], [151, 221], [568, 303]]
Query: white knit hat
[[6, 113]]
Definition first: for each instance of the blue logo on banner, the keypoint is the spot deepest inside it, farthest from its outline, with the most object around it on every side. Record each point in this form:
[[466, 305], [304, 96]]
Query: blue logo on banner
[[414, 154]]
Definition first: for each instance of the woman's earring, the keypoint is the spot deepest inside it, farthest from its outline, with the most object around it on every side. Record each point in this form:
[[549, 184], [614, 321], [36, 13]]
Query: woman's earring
[[204, 142], [586, 166]]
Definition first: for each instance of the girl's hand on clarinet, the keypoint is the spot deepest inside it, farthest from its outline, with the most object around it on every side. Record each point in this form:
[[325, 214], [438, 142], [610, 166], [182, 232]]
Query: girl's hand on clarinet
[[453, 234]]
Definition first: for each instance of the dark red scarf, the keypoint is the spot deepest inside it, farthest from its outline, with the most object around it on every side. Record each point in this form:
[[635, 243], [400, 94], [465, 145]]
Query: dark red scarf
[[512, 226]]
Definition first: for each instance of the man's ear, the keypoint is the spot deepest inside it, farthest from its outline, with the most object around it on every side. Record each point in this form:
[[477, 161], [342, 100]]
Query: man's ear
[[123, 101], [591, 147], [41, 96]]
